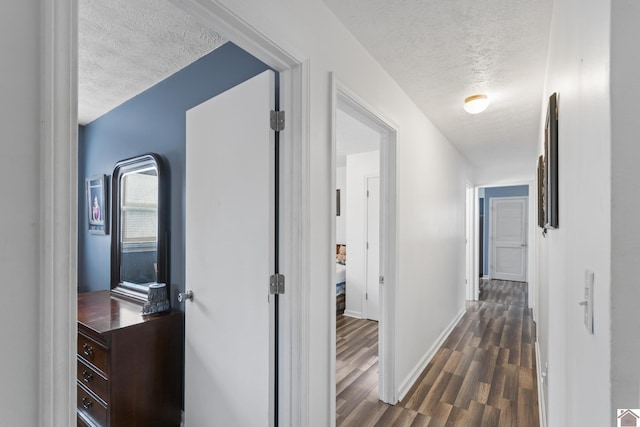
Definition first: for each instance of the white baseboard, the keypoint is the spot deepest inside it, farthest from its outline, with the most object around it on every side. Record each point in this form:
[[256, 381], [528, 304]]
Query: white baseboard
[[406, 385], [354, 314], [541, 404]]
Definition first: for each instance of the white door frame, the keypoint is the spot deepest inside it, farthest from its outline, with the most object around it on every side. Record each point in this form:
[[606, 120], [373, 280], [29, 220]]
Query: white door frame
[[59, 183], [531, 230], [358, 107], [471, 293]]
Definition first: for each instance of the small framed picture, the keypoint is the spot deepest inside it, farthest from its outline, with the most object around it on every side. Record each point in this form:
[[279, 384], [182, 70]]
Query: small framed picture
[[97, 208]]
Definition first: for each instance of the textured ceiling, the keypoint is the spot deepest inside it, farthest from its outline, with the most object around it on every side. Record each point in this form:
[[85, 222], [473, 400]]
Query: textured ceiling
[[127, 46], [441, 51]]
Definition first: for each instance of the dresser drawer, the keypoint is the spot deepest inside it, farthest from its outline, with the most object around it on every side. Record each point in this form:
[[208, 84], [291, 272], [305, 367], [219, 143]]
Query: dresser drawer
[[93, 381], [93, 352], [90, 407]]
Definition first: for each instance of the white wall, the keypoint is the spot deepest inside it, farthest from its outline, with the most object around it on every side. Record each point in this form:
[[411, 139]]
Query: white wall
[[499, 174], [359, 168], [625, 247], [431, 190], [578, 387], [341, 221], [21, 211]]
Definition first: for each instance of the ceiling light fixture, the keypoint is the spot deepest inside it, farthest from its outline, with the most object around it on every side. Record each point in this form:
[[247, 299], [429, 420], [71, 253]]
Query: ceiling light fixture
[[476, 103]]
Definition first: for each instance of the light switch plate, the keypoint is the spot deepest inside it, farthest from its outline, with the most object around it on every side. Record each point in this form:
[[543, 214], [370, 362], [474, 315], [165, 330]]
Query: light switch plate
[[588, 298]]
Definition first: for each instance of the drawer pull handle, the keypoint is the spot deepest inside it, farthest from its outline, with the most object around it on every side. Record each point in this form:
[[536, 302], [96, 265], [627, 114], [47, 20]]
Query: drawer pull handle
[[86, 403], [87, 350], [87, 376]]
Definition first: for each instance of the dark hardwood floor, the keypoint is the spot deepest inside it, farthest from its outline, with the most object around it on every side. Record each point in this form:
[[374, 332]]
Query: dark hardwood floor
[[483, 375]]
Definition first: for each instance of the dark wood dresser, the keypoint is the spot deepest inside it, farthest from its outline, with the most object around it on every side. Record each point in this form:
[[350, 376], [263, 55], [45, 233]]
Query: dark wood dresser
[[129, 365]]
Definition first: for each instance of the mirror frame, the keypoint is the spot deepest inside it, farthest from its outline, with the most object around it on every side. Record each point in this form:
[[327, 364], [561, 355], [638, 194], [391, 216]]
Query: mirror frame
[[120, 169]]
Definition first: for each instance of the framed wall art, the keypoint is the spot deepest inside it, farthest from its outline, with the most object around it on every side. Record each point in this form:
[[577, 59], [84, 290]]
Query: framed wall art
[[541, 219], [97, 209], [551, 164]]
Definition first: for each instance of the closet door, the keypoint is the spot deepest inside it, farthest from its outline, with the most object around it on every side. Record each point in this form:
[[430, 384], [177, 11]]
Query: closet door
[[508, 234]]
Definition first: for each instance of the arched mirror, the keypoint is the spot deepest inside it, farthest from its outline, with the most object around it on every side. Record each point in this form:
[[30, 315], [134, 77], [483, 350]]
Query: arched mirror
[[139, 236]]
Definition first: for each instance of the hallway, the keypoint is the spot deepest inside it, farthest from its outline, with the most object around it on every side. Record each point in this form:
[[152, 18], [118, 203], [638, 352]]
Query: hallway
[[483, 375]]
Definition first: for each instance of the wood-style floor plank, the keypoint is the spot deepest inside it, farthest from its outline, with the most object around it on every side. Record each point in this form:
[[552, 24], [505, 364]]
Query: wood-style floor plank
[[483, 375]]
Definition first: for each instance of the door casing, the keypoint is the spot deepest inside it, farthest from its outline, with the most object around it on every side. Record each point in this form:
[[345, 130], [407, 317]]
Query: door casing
[[58, 263], [356, 106]]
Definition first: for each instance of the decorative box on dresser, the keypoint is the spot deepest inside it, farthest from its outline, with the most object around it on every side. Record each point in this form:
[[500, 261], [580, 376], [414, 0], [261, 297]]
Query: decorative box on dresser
[[129, 365]]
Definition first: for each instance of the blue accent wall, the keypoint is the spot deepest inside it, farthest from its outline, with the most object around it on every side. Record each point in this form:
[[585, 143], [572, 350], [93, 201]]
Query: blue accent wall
[[489, 193], [153, 121]]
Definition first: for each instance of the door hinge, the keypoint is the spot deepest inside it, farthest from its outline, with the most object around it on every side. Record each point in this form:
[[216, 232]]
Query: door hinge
[[366, 295], [276, 284], [277, 121], [367, 245], [381, 280]]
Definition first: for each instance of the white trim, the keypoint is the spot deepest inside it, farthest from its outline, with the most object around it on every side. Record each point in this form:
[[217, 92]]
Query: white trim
[[359, 108], [476, 245], [469, 243], [542, 410], [295, 247], [408, 382], [59, 213], [59, 221], [354, 314], [230, 25], [332, 230]]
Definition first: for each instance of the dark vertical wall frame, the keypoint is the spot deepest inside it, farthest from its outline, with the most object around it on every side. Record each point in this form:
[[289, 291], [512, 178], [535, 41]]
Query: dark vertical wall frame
[[541, 191], [551, 164], [481, 238], [153, 121]]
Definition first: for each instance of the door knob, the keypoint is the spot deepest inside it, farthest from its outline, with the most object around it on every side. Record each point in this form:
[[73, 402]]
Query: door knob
[[184, 296]]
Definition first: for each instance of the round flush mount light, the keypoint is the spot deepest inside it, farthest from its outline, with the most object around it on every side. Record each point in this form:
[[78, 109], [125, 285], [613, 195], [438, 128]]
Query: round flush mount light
[[476, 103]]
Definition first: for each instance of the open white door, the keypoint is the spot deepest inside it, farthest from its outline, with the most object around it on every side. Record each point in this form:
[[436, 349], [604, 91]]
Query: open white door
[[508, 233], [229, 253], [372, 291]]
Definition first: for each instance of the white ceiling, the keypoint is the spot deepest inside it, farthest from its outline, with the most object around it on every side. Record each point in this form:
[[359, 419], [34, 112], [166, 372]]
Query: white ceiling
[[441, 51], [127, 46]]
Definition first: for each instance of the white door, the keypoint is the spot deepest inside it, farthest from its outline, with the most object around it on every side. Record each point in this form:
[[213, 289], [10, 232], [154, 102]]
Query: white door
[[508, 234], [229, 241], [371, 302]]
